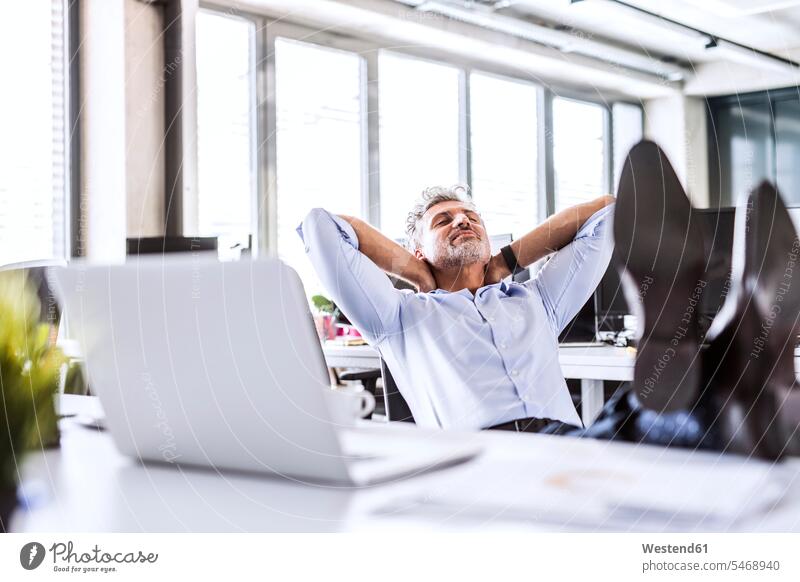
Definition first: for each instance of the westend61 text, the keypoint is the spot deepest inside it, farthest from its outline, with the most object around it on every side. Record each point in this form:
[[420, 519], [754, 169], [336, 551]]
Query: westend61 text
[[65, 553], [671, 549]]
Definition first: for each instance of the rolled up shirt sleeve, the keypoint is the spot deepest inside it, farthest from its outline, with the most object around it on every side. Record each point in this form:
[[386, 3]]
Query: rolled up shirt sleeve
[[573, 273], [358, 287]]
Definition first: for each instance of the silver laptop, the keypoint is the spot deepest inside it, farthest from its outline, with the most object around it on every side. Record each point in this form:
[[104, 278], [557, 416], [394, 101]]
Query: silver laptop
[[200, 362]]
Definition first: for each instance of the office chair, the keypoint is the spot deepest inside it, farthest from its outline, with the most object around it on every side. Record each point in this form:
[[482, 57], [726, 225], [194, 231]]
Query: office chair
[[395, 407]]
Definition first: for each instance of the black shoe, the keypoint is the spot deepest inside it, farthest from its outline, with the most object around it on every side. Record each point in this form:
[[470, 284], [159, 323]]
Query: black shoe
[[749, 364], [659, 253], [624, 419]]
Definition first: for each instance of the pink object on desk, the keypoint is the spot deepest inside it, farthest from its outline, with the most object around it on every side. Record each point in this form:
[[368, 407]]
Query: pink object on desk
[[347, 330], [326, 326]]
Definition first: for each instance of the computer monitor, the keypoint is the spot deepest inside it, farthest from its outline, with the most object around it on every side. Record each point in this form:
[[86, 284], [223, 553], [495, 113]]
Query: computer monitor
[[604, 311], [171, 244], [583, 327], [717, 225], [609, 302]]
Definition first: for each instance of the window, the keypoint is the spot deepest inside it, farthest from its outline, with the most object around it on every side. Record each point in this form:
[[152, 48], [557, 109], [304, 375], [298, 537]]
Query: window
[[787, 149], [226, 171], [579, 160], [754, 137], [503, 140], [627, 130], [33, 178], [419, 133], [321, 140], [320, 146]]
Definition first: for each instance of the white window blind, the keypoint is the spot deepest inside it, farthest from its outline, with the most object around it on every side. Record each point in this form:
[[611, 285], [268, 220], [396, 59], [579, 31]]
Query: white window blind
[[33, 178]]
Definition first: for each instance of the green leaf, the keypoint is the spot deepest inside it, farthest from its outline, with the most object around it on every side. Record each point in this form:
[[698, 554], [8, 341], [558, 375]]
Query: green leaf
[[30, 368], [323, 304]]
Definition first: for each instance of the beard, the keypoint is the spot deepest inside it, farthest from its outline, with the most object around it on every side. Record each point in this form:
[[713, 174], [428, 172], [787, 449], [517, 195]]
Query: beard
[[470, 251]]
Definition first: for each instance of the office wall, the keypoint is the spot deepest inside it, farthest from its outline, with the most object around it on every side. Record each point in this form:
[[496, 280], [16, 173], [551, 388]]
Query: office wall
[[144, 119], [696, 128], [678, 125]]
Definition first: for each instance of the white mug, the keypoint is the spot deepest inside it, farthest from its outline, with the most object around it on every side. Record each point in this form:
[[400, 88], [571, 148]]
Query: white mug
[[347, 406]]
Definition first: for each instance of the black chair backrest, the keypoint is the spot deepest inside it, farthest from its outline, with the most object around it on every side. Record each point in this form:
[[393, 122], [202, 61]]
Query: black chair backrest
[[395, 405]]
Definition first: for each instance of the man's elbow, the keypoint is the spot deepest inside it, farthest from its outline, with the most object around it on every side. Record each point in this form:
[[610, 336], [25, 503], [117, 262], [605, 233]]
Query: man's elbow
[[313, 218], [309, 225], [314, 214]]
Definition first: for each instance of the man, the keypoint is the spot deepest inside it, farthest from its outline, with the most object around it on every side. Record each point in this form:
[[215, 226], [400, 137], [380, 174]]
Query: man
[[469, 350]]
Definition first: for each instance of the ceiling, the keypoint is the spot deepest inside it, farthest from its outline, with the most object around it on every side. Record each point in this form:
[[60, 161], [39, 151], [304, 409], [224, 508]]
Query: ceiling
[[611, 29], [640, 49], [768, 25]]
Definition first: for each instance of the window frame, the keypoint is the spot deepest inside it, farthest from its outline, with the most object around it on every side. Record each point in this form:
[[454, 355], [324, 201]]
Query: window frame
[[271, 30], [608, 141], [253, 121], [464, 128], [368, 48], [72, 143], [543, 205]]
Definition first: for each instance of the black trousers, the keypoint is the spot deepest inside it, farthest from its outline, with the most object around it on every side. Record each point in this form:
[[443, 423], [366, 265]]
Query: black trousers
[[542, 425], [623, 418]]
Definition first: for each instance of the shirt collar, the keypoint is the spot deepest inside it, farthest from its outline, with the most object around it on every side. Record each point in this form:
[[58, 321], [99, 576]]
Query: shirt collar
[[481, 290]]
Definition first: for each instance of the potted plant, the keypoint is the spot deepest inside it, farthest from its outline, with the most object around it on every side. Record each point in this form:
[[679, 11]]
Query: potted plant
[[30, 365], [327, 315]]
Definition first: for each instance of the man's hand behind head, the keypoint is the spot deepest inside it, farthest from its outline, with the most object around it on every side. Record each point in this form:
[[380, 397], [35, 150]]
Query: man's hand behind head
[[426, 281]]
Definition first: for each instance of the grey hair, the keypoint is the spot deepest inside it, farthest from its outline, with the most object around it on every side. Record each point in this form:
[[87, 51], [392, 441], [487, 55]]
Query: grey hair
[[431, 197]]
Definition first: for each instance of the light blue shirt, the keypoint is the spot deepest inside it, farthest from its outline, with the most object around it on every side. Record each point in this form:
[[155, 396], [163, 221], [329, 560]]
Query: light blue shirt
[[462, 360]]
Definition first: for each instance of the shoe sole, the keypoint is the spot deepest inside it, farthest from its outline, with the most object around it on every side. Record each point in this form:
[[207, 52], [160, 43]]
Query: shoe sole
[[751, 341], [659, 247]]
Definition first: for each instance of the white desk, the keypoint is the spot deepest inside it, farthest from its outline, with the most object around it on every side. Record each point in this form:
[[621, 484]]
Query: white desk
[[523, 482], [590, 365]]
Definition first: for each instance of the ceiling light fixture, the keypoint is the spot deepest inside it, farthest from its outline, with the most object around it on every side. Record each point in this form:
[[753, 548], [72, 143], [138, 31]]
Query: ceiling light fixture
[[568, 42], [732, 50]]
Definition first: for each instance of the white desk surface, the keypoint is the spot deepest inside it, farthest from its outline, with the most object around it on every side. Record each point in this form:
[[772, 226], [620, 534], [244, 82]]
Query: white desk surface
[[594, 363], [597, 362], [521, 481]]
